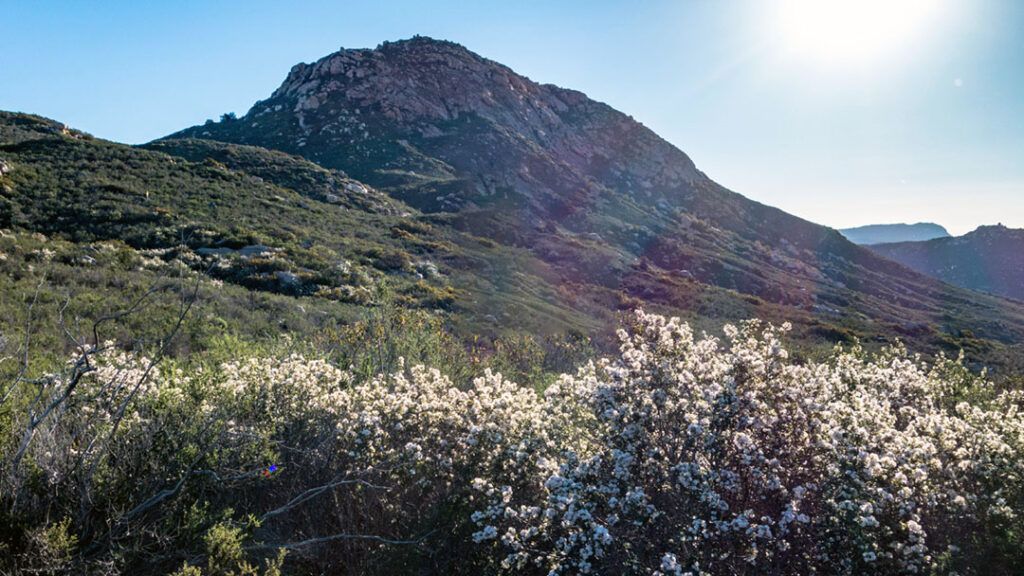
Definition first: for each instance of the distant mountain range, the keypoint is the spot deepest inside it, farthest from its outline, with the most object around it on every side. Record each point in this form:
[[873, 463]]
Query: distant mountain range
[[990, 259], [500, 203], [885, 233]]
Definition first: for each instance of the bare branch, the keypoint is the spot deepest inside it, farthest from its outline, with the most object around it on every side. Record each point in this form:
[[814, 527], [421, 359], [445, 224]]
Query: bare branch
[[137, 305], [78, 371], [184, 309], [334, 537], [314, 492], [156, 499]]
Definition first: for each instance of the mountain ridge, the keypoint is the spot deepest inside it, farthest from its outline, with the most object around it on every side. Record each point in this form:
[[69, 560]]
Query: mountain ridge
[[989, 259], [539, 242], [888, 233]]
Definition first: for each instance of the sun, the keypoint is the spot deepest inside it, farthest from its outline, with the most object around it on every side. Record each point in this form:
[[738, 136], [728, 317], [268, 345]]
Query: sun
[[853, 31]]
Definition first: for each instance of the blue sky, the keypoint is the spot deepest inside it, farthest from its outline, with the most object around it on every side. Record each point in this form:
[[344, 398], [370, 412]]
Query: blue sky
[[928, 125]]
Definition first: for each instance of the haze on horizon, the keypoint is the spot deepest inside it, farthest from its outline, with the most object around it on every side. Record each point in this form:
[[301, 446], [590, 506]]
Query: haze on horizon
[[859, 113]]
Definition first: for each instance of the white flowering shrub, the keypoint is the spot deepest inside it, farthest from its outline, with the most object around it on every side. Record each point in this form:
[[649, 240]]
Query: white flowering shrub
[[680, 455], [713, 458], [363, 466]]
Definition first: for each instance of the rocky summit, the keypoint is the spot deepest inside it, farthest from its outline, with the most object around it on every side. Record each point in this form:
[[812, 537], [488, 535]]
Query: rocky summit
[[449, 129]]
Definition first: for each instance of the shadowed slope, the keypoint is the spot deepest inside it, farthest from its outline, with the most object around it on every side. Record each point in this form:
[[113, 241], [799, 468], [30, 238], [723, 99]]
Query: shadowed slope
[[990, 259]]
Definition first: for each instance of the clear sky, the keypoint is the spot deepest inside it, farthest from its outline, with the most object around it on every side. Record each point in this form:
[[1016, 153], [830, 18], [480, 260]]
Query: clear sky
[[898, 111]]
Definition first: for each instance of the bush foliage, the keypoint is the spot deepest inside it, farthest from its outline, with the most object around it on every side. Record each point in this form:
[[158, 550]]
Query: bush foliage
[[682, 454]]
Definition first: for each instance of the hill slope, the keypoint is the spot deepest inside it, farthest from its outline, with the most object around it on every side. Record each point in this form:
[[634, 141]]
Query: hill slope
[[618, 215], [990, 259], [885, 233], [298, 246]]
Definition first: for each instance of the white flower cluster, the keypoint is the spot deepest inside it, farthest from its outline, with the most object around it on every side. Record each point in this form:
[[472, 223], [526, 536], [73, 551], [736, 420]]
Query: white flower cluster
[[420, 416]]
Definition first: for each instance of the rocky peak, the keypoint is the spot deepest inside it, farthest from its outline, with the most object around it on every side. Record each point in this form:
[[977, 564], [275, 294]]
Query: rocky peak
[[444, 129], [422, 79]]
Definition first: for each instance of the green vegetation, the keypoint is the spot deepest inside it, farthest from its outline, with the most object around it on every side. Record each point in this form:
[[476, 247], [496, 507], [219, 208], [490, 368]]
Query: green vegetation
[[212, 362], [264, 221], [279, 459], [301, 247]]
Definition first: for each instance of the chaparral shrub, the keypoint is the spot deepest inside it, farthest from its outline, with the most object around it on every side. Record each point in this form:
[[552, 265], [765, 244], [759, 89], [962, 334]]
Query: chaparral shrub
[[711, 458], [681, 454]]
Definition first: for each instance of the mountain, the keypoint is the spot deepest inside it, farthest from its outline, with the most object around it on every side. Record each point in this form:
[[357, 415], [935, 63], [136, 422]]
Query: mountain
[[887, 233], [990, 259], [498, 204], [616, 215]]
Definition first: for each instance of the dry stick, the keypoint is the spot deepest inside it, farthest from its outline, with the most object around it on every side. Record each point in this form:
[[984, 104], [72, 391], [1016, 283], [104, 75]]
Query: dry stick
[[183, 312], [96, 349], [28, 326], [80, 369], [324, 539], [332, 537], [162, 495], [166, 493], [314, 492], [118, 315], [186, 305], [64, 326]]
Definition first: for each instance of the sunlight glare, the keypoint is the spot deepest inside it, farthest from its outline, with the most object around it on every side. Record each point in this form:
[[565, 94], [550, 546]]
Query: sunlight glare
[[859, 31]]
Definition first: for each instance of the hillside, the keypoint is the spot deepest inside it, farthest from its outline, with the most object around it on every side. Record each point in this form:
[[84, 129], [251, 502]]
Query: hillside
[[887, 233], [617, 216], [253, 228], [990, 259], [272, 225], [416, 314]]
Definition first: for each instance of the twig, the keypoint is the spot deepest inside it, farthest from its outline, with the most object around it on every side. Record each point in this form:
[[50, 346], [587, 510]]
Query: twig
[[333, 537], [314, 492]]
